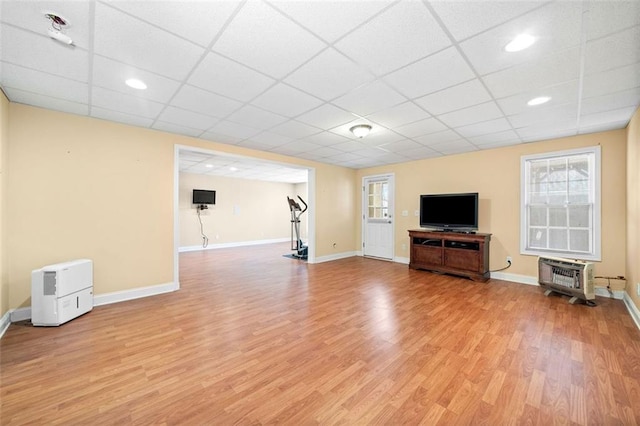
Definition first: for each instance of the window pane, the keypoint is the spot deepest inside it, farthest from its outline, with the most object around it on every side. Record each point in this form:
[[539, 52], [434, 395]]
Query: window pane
[[537, 216], [558, 239], [579, 216], [537, 238], [579, 240], [557, 216]]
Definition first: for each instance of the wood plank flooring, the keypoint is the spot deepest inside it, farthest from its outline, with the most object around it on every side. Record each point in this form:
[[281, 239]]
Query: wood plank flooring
[[256, 338]]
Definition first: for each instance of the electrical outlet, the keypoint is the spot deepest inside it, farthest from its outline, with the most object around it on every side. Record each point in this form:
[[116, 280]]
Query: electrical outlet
[[509, 260]]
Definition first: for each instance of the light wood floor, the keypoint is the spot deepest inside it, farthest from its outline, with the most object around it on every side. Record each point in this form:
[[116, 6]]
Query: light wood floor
[[256, 338]]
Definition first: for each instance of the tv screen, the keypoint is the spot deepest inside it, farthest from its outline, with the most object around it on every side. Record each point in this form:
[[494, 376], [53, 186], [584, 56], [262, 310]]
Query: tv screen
[[203, 196], [449, 211]]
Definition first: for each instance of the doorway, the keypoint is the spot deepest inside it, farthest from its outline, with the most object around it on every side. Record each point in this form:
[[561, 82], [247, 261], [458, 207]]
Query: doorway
[[377, 216]]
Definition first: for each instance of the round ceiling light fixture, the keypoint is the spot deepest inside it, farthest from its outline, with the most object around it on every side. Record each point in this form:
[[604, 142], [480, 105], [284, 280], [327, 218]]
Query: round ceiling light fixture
[[539, 100], [360, 130], [136, 84], [58, 23], [521, 42]]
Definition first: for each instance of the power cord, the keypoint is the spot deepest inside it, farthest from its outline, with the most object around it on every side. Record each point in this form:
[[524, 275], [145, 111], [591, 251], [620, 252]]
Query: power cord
[[205, 239], [502, 269]]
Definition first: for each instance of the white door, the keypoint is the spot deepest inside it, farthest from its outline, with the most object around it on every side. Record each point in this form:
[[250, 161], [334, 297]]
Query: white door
[[377, 216]]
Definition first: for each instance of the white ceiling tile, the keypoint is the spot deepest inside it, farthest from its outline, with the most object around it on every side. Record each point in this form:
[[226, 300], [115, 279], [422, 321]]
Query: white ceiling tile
[[486, 127], [176, 128], [296, 147], [326, 117], [261, 38], [422, 127], [229, 128], [626, 98], [466, 18], [198, 100], [444, 69], [603, 127], [114, 29], [328, 75], [616, 80], [271, 139], [35, 99], [560, 94], [401, 145], [228, 78], [197, 21], [110, 74], [547, 130], [551, 70], [126, 104], [545, 113], [295, 129], [461, 96], [326, 151], [285, 100], [50, 85], [325, 139], [352, 146], [330, 20], [507, 137], [186, 118], [371, 98], [220, 138], [41, 53], [613, 51], [251, 144], [622, 115], [422, 152], [398, 115], [556, 26], [474, 114], [607, 17], [542, 136], [109, 115], [256, 117], [439, 137], [453, 147], [400, 35]]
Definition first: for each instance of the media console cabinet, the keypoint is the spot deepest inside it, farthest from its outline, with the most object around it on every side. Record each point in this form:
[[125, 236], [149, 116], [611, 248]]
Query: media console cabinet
[[451, 252]]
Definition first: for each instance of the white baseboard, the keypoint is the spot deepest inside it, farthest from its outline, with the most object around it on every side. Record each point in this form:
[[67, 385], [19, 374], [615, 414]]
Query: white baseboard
[[516, 278], [135, 293], [331, 257], [237, 244], [632, 308], [5, 321], [20, 314], [403, 260], [613, 294]]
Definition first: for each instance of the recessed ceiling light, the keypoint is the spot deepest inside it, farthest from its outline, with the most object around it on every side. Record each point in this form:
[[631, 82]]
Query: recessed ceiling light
[[136, 84], [539, 100], [521, 42]]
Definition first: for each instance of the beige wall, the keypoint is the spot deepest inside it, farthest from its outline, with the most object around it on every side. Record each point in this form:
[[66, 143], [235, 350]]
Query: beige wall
[[495, 174], [245, 210], [84, 187], [633, 207], [4, 161]]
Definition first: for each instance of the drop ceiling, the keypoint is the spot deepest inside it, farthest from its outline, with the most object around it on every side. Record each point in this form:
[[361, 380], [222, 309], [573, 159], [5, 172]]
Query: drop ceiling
[[432, 78]]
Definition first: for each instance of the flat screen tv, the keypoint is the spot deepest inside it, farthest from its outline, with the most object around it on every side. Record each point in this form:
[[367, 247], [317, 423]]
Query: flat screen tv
[[203, 196], [449, 211]]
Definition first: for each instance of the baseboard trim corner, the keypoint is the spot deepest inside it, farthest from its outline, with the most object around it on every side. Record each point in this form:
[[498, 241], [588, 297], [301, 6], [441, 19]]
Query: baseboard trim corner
[[5, 321], [136, 293], [229, 245], [612, 294], [632, 308], [331, 257]]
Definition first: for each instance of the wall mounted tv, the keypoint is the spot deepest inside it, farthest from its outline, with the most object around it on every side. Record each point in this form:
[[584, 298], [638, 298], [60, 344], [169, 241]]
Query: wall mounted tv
[[203, 196], [449, 211]]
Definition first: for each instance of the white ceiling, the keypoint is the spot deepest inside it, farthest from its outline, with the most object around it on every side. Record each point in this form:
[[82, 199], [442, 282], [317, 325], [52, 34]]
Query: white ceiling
[[291, 77]]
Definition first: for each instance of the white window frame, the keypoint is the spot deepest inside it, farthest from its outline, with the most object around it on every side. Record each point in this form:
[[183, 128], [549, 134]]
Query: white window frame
[[595, 228]]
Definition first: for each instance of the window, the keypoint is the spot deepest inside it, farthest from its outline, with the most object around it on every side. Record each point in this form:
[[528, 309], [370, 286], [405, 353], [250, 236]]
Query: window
[[560, 204], [378, 203]]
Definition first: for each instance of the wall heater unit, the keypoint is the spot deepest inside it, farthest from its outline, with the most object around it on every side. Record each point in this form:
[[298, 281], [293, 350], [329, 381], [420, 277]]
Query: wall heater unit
[[61, 292], [570, 277]]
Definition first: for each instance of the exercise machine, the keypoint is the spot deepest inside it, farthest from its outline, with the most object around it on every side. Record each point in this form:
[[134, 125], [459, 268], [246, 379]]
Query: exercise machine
[[296, 212]]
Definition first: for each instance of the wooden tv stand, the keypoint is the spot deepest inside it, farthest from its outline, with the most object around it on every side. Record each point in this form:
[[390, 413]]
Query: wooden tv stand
[[451, 252]]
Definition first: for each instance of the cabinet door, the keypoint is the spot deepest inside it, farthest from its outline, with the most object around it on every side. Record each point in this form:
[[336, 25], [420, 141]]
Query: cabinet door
[[468, 260], [425, 255]]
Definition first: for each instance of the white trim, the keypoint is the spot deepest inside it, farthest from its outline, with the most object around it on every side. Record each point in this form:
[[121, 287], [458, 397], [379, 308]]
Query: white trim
[[135, 293], [516, 278], [332, 257], [632, 308], [403, 260], [21, 314], [176, 215], [612, 294], [236, 244], [5, 322], [391, 178]]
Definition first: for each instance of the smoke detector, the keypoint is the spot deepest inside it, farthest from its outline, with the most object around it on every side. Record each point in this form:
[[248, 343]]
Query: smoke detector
[[58, 23]]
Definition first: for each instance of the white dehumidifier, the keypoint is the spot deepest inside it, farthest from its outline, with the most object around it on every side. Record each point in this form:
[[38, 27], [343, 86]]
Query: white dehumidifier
[[61, 292]]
